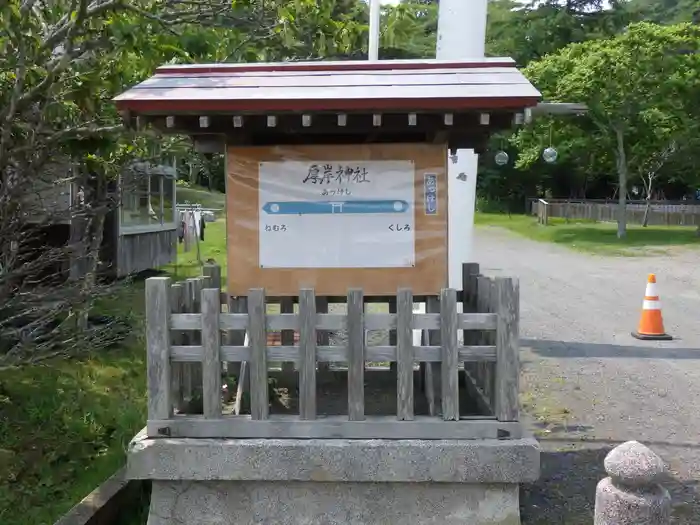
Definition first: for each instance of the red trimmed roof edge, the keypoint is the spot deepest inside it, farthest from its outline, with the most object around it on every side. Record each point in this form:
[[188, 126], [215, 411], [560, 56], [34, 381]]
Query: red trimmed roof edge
[[266, 106]]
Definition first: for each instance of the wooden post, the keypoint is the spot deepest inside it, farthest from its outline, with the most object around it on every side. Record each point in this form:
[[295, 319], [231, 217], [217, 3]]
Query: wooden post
[[433, 389], [212, 276], [307, 354], [211, 350], [393, 366], [470, 271], [323, 336], [287, 336], [356, 355], [158, 307], [238, 305], [257, 332], [405, 355], [176, 369], [196, 339], [483, 285], [507, 350], [188, 338], [449, 355], [491, 339]]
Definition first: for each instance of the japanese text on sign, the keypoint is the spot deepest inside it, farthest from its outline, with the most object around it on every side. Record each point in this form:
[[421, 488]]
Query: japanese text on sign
[[336, 174], [430, 191]]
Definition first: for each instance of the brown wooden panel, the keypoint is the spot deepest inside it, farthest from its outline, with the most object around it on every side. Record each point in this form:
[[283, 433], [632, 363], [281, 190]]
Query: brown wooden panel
[[427, 277]]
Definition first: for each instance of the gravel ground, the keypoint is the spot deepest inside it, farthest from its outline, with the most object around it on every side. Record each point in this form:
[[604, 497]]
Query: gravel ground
[[587, 384]]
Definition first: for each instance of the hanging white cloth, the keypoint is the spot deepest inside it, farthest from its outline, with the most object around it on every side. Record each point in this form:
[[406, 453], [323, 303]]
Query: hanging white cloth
[[197, 217]]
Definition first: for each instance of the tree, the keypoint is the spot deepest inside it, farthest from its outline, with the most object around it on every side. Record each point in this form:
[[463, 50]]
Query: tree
[[63, 63], [641, 88], [410, 30], [530, 32]]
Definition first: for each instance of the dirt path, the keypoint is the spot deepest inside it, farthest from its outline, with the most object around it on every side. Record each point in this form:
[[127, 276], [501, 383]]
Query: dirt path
[[587, 384]]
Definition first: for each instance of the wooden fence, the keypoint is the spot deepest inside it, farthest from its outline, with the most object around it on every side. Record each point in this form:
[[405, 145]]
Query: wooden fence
[[660, 213], [212, 339]]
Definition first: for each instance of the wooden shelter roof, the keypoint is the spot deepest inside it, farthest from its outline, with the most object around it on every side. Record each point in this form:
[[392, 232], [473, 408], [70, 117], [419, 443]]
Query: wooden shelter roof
[[202, 99], [334, 86]]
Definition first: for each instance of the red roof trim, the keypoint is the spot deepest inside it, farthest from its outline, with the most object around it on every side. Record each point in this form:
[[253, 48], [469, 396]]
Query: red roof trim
[[170, 107], [382, 65]]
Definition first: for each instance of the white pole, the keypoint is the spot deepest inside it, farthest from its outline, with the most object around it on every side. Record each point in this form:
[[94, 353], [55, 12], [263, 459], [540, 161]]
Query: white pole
[[461, 36], [374, 21], [462, 29]]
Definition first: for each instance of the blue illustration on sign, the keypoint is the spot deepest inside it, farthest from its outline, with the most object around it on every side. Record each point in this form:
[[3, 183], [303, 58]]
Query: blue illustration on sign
[[334, 207], [430, 191]]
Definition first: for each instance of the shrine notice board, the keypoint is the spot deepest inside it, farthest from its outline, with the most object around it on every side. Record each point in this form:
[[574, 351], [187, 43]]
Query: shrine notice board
[[331, 218]]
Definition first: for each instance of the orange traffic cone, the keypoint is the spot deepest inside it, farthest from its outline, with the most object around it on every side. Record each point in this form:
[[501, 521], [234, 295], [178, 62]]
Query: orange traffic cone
[[651, 325]]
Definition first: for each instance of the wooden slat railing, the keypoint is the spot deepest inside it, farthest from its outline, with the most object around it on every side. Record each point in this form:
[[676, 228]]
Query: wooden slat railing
[[177, 340]]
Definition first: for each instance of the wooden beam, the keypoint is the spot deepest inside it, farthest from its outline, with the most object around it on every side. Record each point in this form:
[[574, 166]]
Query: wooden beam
[[331, 322], [338, 427], [259, 398], [211, 350], [335, 354], [158, 308], [405, 356], [356, 355], [307, 355]]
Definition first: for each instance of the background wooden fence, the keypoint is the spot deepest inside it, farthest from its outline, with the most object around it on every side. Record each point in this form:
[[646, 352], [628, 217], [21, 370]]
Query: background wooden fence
[[661, 213], [192, 340]]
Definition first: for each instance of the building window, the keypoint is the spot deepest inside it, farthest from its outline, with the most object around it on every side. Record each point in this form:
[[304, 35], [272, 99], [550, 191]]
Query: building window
[[147, 199]]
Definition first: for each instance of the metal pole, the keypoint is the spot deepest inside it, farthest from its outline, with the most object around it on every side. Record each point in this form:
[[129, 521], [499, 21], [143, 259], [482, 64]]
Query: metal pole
[[374, 21]]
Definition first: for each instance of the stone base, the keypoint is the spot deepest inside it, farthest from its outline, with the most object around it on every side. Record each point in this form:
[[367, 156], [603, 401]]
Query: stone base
[[309, 503], [334, 481]]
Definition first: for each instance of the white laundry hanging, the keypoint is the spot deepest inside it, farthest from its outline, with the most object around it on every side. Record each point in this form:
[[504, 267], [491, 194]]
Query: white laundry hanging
[[197, 218]]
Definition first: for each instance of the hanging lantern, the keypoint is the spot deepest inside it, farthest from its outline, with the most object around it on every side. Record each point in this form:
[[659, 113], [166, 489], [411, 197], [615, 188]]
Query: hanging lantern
[[501, 158], [550, 155]]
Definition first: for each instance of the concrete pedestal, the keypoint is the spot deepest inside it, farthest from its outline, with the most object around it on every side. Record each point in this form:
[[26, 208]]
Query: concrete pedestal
[[328, 482]]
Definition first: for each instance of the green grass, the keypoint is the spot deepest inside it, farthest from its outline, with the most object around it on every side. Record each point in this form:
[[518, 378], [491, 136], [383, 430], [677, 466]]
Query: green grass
[[213, 247], [65, 424], [197, 195], [592, 237]]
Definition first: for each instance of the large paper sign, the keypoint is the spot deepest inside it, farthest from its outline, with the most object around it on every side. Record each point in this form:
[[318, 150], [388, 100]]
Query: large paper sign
[[341, 214]]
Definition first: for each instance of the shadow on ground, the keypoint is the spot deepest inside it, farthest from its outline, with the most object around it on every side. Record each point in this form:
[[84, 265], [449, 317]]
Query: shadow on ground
[[564, 349], [565, 492]]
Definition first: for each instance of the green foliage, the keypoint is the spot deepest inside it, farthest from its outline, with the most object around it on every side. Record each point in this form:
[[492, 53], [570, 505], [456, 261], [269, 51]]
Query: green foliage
[[587, 164], [641, 88], [65, 425], [540, 28], [410, 27]]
